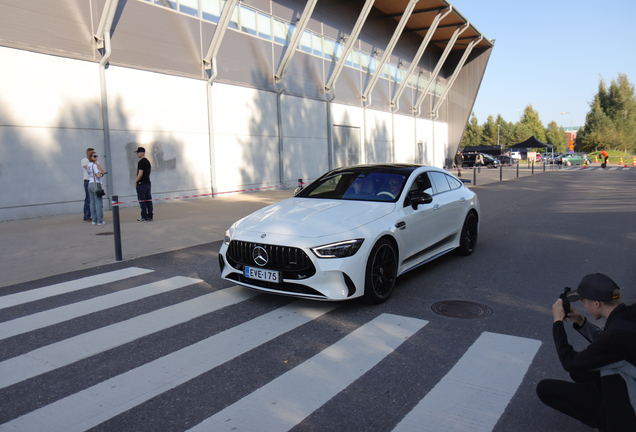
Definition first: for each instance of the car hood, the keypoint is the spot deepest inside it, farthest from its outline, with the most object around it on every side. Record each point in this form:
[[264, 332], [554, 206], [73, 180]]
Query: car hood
[[312, 218]]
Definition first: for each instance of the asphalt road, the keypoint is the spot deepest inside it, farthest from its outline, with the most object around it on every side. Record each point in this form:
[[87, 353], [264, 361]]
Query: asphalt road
[[121, 355]]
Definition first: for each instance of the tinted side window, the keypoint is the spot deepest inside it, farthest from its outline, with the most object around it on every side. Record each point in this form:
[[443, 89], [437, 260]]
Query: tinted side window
[[453, 182], [422, 184], [441, 184]]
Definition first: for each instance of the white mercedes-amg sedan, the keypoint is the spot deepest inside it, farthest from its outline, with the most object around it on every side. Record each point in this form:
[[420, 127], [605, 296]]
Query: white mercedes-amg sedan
[[352, 232]]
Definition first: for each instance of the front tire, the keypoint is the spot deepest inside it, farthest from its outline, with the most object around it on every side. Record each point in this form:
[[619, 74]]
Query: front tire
[[381, 272], [469, 234]]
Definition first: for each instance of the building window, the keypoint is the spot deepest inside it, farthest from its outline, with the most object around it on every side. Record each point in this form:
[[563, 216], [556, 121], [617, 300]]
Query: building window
[[211, 10], [189, 7], [316, 42], [248, 21], [305, 42], [264, 27]]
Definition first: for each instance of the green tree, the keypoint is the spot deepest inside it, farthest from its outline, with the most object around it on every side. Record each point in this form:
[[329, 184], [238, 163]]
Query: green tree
[[473, 134], [556, 136], [506, 132], [489, 136], [611, 121], [522, 132], [531, 120]]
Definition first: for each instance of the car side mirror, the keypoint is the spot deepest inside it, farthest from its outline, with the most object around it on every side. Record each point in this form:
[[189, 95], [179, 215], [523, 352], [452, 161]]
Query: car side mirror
[[297, 190], [418, 198]]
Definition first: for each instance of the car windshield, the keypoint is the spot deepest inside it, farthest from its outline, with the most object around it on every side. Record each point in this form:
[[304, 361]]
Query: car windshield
[[355, 185]]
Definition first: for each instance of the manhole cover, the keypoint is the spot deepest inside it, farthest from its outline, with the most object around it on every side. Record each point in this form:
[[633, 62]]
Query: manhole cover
[[461, 309], [105, 233]]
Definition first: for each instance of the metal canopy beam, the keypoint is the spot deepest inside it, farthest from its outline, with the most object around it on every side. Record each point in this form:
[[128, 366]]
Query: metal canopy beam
[[389, 49], [440, 63], [454, 76], [349, 45], [418, 55], [293, 45], [106, 21], [210, 58]]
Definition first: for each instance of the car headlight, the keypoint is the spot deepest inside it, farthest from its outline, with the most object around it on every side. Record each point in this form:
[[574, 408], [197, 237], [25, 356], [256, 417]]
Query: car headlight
[[227, 237], [338, 250]]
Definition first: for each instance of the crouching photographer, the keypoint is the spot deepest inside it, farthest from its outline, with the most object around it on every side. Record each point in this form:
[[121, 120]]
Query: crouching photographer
[[603, 394]]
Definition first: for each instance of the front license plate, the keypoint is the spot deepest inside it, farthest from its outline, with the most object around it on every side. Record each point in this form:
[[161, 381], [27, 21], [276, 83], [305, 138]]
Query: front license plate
[[262, 274]]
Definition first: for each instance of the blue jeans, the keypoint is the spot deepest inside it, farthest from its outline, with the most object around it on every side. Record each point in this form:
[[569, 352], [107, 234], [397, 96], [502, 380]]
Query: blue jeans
[[97, 212], [143, 194], [87, 201]]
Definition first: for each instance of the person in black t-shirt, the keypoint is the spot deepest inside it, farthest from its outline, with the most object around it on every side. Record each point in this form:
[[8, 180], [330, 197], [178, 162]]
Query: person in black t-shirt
[[142, 183]]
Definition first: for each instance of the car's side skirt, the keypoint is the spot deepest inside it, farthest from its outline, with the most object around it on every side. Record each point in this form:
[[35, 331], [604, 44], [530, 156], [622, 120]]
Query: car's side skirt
[[430, 249], [427, 260]]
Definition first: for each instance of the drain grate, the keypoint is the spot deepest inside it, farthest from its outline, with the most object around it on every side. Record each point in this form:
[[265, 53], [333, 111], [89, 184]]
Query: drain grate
[[105, 233], [461, 309]]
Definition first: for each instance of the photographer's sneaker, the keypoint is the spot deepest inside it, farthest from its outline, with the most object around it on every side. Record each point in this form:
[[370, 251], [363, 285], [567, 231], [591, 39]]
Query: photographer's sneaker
[[101, 223], [142, 220]]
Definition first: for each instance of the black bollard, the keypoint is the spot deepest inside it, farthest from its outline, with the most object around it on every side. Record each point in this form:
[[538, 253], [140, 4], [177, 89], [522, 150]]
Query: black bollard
[[116, 227], [517, 170], [501, 172], [474, 176]]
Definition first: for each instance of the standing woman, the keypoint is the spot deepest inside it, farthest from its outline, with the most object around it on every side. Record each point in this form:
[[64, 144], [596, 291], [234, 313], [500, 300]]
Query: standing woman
[[95, 175]]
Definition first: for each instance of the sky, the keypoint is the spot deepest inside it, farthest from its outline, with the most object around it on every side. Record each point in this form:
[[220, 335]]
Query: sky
[[550, 54]]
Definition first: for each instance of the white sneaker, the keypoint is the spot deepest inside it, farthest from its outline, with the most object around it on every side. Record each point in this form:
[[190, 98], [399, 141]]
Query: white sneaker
[[101, 223], [94, 223]]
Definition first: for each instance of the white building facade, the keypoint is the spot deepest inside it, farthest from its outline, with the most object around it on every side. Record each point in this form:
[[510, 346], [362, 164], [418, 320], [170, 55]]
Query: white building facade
[[225, 111]]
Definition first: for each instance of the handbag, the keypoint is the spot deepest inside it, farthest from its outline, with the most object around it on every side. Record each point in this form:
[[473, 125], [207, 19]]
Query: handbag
[[98, 192]]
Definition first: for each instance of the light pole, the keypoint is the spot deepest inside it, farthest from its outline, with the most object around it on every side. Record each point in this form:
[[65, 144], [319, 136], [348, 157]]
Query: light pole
[[571, 127]]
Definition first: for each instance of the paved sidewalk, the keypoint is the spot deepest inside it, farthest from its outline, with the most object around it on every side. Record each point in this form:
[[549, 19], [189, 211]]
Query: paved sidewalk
[[35, 248]]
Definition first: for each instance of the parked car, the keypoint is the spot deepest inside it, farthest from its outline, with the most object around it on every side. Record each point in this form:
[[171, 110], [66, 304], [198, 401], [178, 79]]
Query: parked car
[[352, 232], [505, 160], [516, 155], [489, 161]]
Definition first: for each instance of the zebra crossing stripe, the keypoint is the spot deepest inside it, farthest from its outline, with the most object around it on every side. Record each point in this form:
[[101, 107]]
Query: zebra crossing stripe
[[54, 316], [476, 391], [90, 407], [70, 350], [66, 287], [287, 400]]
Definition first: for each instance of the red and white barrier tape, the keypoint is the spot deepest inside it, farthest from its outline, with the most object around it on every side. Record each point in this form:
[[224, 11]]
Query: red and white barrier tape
[[116, 203]]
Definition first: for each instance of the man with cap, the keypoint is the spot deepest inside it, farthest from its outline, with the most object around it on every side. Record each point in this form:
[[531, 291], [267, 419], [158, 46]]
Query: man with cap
[[603, 394], [142, 184]]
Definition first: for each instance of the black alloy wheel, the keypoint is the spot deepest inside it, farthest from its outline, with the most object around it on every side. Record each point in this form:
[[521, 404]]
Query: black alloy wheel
[[381, 272], [468, 239]]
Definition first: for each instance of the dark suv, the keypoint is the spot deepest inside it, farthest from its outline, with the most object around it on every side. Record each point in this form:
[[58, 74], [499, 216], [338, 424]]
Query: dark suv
[[489, 161]]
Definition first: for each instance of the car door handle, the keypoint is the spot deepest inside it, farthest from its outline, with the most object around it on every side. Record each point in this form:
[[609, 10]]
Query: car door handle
[[436, 207], [400, 225]]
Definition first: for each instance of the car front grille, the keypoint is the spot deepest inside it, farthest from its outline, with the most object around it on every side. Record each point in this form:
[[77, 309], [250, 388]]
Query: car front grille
[[292, 262]]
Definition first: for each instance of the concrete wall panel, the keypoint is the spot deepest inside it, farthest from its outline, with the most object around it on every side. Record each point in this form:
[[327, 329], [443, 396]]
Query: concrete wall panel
[[404, 139], [48, 91], [139, 100]]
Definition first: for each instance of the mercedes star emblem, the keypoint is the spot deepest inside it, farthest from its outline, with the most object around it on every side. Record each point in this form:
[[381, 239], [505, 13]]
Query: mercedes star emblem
[[259, 255]]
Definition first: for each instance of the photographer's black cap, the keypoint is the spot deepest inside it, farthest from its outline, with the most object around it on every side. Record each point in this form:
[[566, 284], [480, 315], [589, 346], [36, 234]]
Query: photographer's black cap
[[140, 150], [596, 286]]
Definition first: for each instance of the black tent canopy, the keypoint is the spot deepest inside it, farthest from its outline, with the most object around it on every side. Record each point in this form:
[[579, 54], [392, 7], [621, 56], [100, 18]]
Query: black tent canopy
[[531, 142]]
